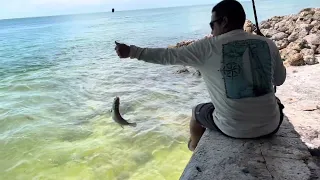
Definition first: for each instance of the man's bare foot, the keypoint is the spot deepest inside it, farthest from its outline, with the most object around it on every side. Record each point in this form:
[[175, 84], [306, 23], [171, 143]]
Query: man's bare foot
[[191, 148]]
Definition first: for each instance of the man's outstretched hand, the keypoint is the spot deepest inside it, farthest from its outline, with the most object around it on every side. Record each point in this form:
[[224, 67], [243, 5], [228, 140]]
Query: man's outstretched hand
[[122, 50]]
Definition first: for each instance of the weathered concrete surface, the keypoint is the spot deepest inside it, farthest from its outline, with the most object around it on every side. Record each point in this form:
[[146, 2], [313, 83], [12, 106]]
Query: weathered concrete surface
[[284, 156]]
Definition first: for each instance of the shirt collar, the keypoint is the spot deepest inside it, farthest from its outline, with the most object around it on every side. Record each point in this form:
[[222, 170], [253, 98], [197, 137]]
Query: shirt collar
[[236, 31]]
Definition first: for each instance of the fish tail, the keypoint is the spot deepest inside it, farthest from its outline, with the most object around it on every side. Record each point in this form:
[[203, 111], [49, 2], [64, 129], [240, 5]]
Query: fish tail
[[133, 124]]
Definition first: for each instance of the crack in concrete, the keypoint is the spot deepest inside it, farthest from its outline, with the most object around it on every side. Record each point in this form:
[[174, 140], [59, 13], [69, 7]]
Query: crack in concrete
[[266, 164]]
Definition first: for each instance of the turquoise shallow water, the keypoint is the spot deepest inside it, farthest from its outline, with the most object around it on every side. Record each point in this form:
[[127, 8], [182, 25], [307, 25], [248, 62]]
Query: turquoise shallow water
[[59, 76]]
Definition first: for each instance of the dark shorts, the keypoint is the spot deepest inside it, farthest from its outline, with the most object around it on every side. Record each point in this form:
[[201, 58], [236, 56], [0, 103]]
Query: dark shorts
[[203, 115]]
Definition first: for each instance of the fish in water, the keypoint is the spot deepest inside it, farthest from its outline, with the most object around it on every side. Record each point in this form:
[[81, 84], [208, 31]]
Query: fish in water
[[116, 116]]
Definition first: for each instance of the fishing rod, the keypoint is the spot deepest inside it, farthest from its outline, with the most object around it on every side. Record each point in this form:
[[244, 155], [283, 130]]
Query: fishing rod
[[258, 29], [256, 19]]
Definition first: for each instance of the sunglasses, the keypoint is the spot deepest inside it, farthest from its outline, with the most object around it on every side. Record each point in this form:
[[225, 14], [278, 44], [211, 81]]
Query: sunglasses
[[212, 23]]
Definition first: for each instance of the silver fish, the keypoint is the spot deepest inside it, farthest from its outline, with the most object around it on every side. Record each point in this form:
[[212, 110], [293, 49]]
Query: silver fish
[[116, 116]]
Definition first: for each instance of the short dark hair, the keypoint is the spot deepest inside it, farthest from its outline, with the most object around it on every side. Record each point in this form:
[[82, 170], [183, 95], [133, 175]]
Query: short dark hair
[[233, 10]]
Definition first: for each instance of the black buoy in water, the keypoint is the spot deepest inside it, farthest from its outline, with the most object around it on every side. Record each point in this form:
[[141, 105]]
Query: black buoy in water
[[113, 10]]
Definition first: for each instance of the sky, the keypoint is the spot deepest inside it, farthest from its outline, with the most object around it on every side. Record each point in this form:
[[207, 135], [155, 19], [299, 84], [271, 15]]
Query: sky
[[34, 8]]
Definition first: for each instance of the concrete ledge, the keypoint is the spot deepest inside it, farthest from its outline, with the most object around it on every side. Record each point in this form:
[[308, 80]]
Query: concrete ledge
[[284, 156]]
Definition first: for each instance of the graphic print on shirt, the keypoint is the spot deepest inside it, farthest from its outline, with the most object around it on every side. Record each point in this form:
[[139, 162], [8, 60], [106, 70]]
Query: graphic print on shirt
[[246, 68]]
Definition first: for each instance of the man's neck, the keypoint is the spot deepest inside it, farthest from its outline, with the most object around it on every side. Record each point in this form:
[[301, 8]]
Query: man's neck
[[231, 31]]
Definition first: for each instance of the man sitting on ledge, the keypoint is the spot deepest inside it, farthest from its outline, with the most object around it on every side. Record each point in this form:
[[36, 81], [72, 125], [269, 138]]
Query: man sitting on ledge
[[239, 69]]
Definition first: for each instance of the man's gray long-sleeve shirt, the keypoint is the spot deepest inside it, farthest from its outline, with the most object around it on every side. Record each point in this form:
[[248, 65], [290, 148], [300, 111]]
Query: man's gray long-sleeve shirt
[[239, 70]]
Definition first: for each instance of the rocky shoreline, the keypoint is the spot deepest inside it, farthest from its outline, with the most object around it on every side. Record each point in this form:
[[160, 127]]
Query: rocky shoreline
[[297, 37]]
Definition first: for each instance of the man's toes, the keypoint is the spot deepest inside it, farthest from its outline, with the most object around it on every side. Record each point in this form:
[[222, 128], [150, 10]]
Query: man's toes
[[191, 146]]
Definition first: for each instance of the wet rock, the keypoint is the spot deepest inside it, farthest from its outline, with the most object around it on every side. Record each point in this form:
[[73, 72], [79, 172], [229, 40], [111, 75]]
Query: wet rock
[[249, 26], [315, 29], [314, 23], [310, 60], [294, 36], [297, 45], [269, 32], [265, 25], [290, 23], [317, 51], [281, 26], [303, 30], [308, 56], [316, 16], [313, 39], [296, 32], [313, 47], [307, 52], [279, 36], [282, 43], [293, 57], [296, 60]]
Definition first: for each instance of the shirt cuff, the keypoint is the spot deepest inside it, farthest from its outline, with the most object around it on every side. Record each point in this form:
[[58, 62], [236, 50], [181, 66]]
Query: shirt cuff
[[133, 52]]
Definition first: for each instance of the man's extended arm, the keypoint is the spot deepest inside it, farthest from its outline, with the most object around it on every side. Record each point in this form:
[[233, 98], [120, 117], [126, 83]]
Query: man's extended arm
[[194, 54]]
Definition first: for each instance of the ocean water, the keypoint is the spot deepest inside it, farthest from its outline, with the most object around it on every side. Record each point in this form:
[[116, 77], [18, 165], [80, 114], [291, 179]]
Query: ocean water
[[58, 78]]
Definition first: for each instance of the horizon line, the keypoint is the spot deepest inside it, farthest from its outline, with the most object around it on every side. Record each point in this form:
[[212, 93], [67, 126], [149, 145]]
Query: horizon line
[[98, 12]]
